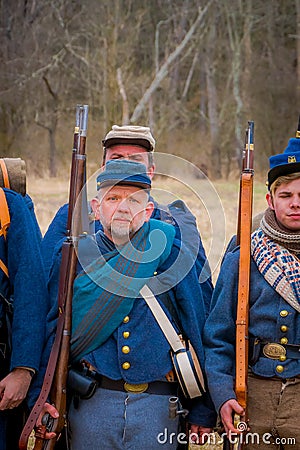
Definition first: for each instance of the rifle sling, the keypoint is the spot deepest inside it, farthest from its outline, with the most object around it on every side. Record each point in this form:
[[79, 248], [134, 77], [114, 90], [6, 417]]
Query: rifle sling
[[243, 291]]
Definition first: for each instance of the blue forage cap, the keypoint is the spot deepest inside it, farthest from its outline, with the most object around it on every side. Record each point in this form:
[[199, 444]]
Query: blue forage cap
[[124, 172], [286, 162]]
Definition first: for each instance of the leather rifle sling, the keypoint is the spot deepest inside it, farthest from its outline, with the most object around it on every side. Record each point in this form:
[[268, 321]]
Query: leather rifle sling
[[243, 293]]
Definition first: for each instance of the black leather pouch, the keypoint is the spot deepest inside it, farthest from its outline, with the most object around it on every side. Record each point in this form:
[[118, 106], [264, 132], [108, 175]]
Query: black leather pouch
[[254, 350], [82, 383]]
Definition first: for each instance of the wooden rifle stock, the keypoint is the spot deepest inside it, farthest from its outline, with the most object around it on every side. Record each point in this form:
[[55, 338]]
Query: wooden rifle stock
[[244, 240], [55, 380], [242, 320]]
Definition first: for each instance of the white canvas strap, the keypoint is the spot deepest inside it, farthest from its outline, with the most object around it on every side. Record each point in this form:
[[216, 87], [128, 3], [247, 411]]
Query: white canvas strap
[[181, 361], [162, 319]]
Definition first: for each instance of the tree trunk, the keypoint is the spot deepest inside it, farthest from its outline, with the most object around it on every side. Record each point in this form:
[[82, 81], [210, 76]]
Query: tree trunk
[[214, 122]]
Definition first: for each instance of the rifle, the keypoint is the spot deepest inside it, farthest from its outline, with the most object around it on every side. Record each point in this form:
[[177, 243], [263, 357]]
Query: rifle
[[242, 320], [55, 380]]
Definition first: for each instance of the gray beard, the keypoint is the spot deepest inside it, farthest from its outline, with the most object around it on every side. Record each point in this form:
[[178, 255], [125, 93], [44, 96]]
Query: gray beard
[[124, 232]]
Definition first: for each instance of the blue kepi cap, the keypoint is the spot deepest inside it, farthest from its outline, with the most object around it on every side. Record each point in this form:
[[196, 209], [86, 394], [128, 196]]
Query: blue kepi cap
[[124, 172], [286, 162]]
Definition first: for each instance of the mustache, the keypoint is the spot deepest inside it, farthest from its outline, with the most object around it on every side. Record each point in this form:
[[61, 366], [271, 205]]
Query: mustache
[[122, 217]]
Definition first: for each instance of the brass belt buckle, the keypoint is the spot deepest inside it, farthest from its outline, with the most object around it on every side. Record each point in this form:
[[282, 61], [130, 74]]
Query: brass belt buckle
[[135, 388], [274, 351]]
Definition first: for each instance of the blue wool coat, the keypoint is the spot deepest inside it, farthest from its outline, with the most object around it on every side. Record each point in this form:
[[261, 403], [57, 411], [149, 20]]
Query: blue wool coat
[[268, 313], [149, 356], [26, 286], [176, 213]]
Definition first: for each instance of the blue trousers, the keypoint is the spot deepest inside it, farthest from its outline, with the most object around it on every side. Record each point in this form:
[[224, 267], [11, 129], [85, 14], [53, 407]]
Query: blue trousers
[[2, 430], [11, 424], [120, 420]]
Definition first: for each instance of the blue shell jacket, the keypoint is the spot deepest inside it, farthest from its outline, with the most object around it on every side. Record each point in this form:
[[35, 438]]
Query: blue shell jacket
[[265, 322], [26, 286]]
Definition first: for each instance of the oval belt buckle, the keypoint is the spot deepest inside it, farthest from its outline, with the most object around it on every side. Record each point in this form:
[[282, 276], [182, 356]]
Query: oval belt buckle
[[135, 388], [274, 351]]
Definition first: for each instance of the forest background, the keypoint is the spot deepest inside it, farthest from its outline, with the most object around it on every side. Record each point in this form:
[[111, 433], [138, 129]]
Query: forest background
[[195, 71]]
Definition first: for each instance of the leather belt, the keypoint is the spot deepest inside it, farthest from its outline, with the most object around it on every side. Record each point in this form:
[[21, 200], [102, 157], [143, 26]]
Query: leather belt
[[155, 387]]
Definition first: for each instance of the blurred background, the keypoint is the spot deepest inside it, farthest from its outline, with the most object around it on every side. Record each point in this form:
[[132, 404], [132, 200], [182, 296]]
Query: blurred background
[[194, 70]]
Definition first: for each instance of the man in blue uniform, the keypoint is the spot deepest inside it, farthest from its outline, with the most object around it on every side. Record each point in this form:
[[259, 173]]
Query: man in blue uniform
[[23, 307], [115, 334], [274, 323], [136, 143]]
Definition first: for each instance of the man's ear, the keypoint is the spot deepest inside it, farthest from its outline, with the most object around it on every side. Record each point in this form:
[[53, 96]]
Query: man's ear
[[269, 199], [149, 210], [151, 171], [95, 204]]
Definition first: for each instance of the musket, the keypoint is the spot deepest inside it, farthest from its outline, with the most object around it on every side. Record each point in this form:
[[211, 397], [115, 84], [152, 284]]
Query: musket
[[55, 379], [244, 240], [242, 320]]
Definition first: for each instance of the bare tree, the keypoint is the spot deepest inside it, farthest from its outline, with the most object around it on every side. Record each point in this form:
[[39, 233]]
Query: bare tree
[[164, 70]]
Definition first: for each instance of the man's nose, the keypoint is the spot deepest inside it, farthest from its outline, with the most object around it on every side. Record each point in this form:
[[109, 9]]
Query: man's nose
[[295, 202], [124, 205]]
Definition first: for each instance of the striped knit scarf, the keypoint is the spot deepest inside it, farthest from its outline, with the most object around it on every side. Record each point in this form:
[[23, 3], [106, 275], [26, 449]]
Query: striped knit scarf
[[279, 267]]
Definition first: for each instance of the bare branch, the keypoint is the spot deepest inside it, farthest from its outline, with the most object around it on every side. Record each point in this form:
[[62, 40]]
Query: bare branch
[[190, 74], [162, 73], [52, 93], [125, 115]]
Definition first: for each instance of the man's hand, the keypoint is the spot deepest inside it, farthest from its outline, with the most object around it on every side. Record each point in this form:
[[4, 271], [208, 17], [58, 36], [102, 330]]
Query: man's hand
[[41, 429], [199, 435], [13, 388], [227, 412]]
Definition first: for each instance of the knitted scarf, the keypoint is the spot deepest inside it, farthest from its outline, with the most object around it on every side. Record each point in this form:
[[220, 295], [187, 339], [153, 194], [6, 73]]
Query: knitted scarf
[[287, 238], [105, 292], [271, 247]]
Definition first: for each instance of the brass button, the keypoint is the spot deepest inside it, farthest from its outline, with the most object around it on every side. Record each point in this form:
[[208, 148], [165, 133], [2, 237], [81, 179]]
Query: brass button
[[125, 349], [279, 369], [284, 313], [126, 365], [126, 334], [155, 273], [284, 340], [282, 358], [283, 328], [126, 319]]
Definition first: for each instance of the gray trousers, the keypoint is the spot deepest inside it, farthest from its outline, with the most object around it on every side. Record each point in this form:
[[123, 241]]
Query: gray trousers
[[273, 412], [113, 420]]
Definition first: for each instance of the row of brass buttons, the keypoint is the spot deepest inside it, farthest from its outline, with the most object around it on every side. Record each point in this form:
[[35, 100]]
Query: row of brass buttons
[[125, 348], [283, 340]]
